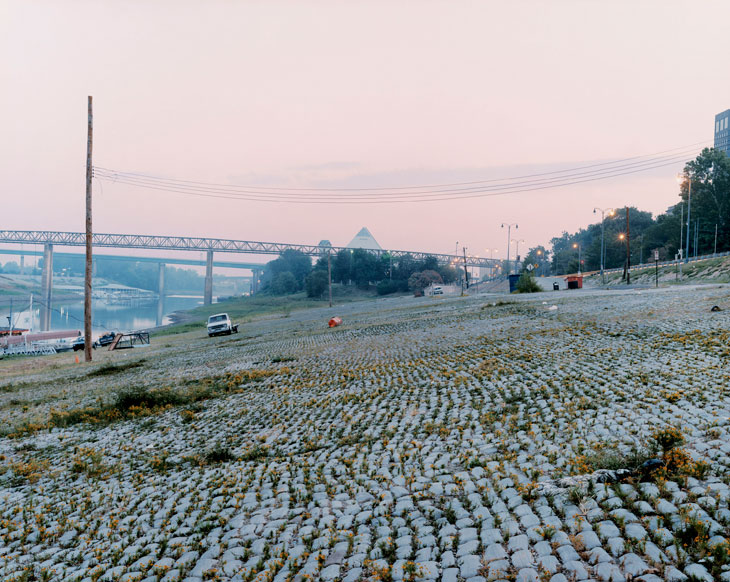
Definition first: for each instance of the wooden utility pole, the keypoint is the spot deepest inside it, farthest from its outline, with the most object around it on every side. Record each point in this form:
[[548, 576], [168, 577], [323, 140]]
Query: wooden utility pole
[[628, 251], [466, 273], [329, 274], [87, 278]]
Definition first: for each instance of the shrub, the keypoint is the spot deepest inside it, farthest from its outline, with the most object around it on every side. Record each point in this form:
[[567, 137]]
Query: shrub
[[108, 369], [527, 284], [419, 281], [219, 454], [316, 283], [141, 398], [667, 438], [386, 287]]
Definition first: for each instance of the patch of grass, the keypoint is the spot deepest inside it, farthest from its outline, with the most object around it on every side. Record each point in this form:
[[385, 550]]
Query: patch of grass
[[255, 453], [219, 454], [89, 462], [16, 386], [136, 402], [613, 459], [241, 309], [30, 470], [109, 369]]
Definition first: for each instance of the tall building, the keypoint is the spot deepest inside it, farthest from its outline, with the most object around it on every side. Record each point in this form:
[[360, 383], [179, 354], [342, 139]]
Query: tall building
[[721, 131]]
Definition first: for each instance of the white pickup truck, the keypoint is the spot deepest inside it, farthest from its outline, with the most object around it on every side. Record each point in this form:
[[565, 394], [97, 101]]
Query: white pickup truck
[[220, 324]]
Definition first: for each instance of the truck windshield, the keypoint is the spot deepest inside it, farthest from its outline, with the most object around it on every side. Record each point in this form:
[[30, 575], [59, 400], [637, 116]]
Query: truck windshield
[[215, 318]]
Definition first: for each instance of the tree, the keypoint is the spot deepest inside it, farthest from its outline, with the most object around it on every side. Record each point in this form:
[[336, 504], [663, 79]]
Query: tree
[[290, 261], [284, 283], [710, 204], [365, 268], [448, 273], [316, 283], [527, 284], [537, 256], [11, 268], [417, 282]]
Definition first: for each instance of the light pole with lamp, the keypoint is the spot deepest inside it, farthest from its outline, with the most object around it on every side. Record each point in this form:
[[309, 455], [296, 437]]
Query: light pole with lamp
[[680, 180], [517, 242], [509, 229], [580, 248], [603, 224], [491, 257]]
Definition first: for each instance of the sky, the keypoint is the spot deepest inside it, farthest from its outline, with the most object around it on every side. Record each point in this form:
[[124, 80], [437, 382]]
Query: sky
[[332, 94]]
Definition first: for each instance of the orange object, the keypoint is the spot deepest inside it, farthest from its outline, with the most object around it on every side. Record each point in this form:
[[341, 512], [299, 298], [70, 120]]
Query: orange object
[[335, 321], [574, 281], [77, 359]]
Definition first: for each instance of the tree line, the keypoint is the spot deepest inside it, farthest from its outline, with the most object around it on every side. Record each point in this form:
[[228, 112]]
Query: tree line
[[294, 271], [709, 175]]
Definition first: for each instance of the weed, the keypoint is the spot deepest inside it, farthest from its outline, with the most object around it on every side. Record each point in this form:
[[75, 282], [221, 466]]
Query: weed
[[219, 454], [109, 369]]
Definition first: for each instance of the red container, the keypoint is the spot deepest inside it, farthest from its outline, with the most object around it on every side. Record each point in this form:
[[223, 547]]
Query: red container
[[575, 281], [335, 321]]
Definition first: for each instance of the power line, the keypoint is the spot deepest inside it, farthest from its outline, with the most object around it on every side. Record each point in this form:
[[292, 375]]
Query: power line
[[67, 314], [422, 197], [328, 195], [274, 189]]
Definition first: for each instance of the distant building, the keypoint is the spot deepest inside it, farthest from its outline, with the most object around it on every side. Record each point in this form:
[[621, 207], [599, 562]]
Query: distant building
[[324, 247], [721, 131], [364, 240]]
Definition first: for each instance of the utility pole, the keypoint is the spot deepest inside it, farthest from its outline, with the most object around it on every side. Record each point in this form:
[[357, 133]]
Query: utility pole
[[87, 278], [628, 253], [466, 273], [509, 242], [681, 226], [689, 209], [329, 274]]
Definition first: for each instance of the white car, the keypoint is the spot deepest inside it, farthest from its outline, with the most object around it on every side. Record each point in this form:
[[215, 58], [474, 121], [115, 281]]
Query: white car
[[220, 324]]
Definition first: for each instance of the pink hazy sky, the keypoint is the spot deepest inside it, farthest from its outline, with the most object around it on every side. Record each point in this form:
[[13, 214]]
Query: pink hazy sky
[[331, 93]]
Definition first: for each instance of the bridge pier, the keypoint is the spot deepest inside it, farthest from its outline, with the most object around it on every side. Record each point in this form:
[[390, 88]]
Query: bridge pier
[[160, 293], [161, 279], [47, 287], [255, 281], [208, 293]]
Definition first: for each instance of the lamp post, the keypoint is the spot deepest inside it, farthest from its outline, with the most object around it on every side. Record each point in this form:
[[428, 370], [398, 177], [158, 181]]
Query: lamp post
[[580, 248], [603, 224], [509, 229], [627, 264], [680, 180], [493, 269], [517, 247]]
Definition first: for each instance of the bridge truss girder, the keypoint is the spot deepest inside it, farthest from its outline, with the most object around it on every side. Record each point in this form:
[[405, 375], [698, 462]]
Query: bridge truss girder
[[176, 243]]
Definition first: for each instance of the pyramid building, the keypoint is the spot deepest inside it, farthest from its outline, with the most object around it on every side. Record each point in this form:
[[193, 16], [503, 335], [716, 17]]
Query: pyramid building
[[364, 240]]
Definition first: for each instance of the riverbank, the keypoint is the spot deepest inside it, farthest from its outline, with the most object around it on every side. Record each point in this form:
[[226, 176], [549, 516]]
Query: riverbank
[[446, 437]]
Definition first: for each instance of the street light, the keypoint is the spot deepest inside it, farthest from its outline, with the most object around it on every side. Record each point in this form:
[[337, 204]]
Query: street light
[[578, 246], [603, 248], [509, 229], [680, 180], [539, 261], [517, 246]]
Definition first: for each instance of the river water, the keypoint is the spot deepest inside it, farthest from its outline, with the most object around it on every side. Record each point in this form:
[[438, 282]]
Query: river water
[[106, 316]]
